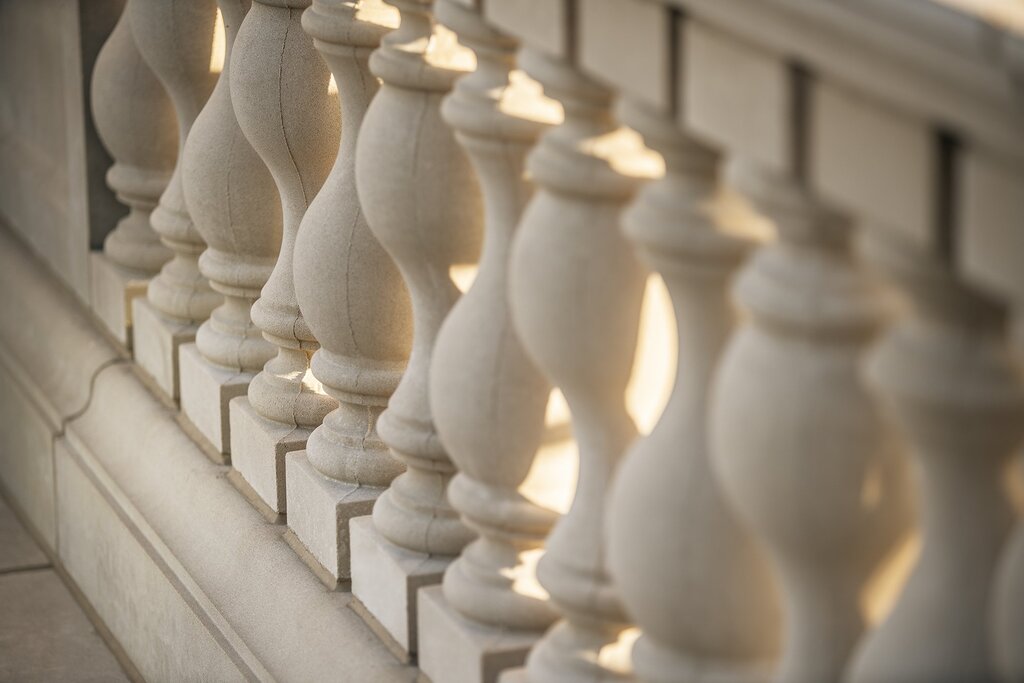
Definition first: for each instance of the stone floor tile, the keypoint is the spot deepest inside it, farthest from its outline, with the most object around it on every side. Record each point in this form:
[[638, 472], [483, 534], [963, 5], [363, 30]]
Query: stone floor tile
[[17, 549], [45, 636]]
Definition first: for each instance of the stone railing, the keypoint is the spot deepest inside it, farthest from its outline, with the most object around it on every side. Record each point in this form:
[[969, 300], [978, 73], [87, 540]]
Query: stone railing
[[396, 236]]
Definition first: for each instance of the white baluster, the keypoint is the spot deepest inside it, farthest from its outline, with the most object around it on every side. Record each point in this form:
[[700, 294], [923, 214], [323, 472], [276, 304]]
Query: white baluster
[[799, 444], [135, 120], [354, 300], [234, 206], [280, 89], [422, 202], [176, 38], [575, 292], [487, 397], [947, 375], [688, 572]]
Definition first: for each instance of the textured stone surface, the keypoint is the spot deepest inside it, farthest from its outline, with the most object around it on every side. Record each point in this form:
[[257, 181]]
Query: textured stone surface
[[386, 578], [242, 583], [26, 467], [453, 649], [258, 447], [206, 391], [44, 132], [17, 549], [112, 292], [44, 377], [873, 159], [642, 71], [319, 509], [45, 636], [156, 340], [53, 367], [118, 577], [541, 23], [990, 220], [737, 96], [168, 513]]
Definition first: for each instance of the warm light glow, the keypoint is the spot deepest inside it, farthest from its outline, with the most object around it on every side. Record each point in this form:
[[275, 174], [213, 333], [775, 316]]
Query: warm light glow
[[463, 274], [444, 51], [625, 152], [617, 656], [1006, 14], [332, 86], [219, 47], [378, 13], [311, 382], [654, 365], [524, 575], [880, 593], [871, 488], [524, 98], [551, 482], [736, 215]]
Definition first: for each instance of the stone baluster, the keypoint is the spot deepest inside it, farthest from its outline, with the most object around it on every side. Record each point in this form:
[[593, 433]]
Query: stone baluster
[[234, 206], [487, 398], [1007, 606], [282, 94], [576, 290], [354, 300], [800, 446], [135, 120], [947, 375], [687, 571], [422, 202], [176, 38]]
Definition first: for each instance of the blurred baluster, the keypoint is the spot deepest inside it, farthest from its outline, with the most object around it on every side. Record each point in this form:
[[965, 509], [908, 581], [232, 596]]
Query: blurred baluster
[[135, 120], [176, 38]]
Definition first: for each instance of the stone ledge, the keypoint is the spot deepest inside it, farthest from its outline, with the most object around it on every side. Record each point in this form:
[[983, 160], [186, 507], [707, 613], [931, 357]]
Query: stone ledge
[[129, 473]]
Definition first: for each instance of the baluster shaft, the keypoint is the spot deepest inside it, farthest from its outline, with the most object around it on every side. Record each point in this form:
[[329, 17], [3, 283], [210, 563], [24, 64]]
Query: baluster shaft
[[688, 572], [947, 375], [280, 89], [576, 291]]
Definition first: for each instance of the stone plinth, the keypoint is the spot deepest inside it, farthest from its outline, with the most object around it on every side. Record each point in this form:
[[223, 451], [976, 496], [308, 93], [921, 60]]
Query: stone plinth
[[454, 649], [206, 391], [112, 290], [258, 448], [319, 509], [155, 340], [385, 578]]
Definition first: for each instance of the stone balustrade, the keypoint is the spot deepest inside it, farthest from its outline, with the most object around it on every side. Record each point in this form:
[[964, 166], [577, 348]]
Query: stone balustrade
[[833, 195]]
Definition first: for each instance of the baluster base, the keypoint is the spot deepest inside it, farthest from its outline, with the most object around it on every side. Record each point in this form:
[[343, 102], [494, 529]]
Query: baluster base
[[206, 391], [258, 450], [453, 648], [319, 510], [156, 341], [112, 290], [386, 578]]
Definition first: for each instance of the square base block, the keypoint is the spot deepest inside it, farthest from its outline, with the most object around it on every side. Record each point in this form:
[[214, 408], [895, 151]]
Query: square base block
[[514, 676], [206, 391], [113, 288], [258, 447], [319, 509], [155, 340], [385, 578], [454, 649]]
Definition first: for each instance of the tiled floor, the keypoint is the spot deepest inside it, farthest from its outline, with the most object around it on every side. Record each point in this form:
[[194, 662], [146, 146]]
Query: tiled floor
[[44, 634]]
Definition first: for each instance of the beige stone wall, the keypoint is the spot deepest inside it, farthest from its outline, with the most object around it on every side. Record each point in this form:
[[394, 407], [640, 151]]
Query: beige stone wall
[[51, 166]]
